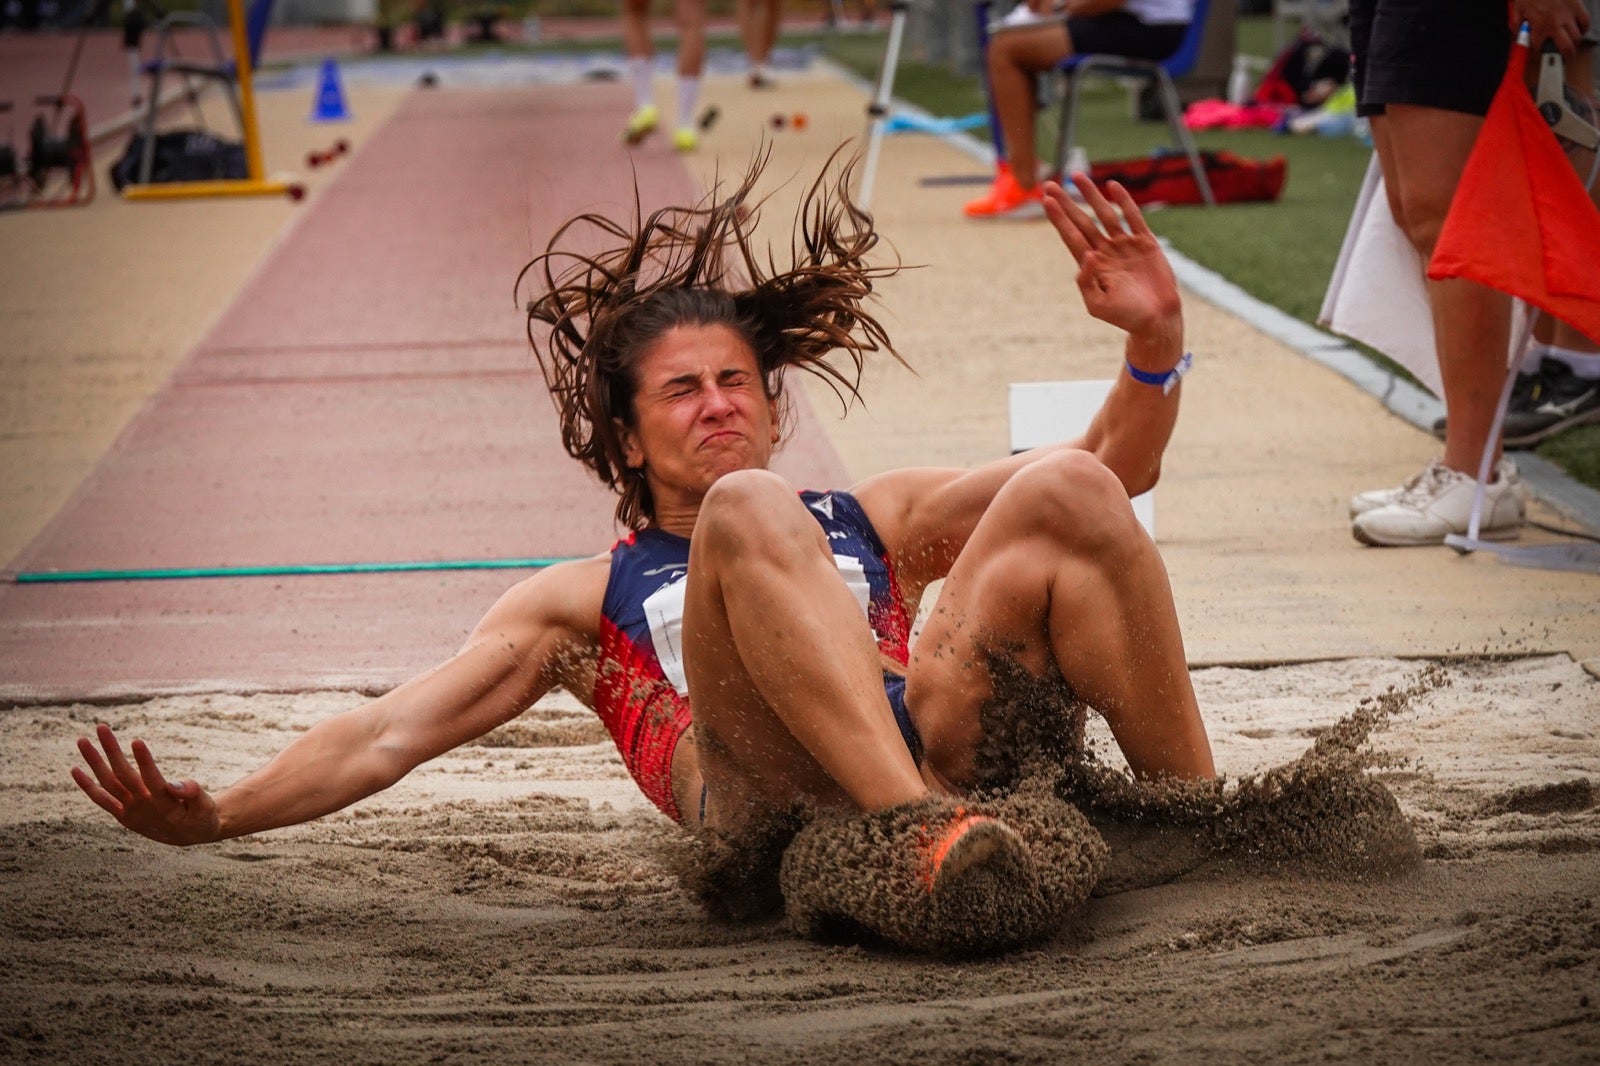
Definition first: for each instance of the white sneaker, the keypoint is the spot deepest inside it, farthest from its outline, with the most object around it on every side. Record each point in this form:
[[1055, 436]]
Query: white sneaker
[[1438, 502], [1362, 502]]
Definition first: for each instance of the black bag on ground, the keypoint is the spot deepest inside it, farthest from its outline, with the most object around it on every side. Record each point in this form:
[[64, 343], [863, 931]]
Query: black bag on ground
[[181, 155]]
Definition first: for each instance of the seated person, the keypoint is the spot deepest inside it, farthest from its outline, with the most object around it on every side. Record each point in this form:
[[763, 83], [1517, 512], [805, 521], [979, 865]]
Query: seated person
[[1142, 29]]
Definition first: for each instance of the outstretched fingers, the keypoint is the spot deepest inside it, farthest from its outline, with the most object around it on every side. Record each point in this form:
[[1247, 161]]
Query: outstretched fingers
[[140, 797], [1083, 231], [92, 788], [1110, 221], [1078, 231], [154, 781], [116, 782], [1131, 215]]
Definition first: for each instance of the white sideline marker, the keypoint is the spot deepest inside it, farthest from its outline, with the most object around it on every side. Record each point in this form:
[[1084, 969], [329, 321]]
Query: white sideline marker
[[1048, 412]]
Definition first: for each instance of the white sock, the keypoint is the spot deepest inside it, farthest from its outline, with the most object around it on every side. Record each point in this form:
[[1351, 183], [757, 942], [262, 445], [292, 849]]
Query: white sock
[[1585, 365], [639, 72], [1535, 356], [688, 97]]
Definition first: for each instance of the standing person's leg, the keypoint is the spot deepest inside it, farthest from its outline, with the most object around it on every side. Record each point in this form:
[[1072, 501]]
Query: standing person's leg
[[784, 673], [1425, 72], [1013, 58], [758, 28], [1060, 577], [1428, 148], [691, 18], [1421, 152], [640, 51]]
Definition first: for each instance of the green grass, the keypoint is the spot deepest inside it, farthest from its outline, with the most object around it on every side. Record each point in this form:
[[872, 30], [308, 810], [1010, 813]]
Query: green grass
[[1578, 452]]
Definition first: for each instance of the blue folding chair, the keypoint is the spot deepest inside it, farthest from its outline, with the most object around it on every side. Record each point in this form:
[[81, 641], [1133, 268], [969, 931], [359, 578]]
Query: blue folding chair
[[1160, 74]]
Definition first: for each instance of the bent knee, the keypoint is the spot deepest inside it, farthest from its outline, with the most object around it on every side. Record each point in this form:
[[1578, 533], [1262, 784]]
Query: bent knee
[[751, 506], [1074, 499]]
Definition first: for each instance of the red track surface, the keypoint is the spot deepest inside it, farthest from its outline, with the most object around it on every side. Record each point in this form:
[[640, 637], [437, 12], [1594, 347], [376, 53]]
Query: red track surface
[[369, 397]]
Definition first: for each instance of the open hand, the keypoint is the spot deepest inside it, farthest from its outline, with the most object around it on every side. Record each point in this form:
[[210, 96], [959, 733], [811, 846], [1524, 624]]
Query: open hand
[[1122, 272], [140, 798]]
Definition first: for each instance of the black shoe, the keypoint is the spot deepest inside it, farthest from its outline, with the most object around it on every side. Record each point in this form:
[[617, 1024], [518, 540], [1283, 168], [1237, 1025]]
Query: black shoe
[[1561, 400]]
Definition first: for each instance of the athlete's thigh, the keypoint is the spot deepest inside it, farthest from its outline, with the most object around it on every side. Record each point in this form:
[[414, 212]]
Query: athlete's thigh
[[994, 603], [745, 751]]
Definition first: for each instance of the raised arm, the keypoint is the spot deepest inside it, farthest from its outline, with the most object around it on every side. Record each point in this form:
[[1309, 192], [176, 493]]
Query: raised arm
[[925, 516], [527, 644]]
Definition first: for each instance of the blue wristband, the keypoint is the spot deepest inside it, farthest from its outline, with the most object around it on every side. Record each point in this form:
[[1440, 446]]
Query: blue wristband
[[1168, 380]]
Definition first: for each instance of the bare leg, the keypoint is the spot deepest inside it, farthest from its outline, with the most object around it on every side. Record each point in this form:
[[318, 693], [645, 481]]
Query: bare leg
[[783, 670], [758, 29], [636, 28], [1422, 151], [1060, 574], [1015, 56], [691, 18]]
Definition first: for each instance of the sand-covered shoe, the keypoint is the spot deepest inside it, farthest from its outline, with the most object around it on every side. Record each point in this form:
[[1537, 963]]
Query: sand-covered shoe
[[940, 876]]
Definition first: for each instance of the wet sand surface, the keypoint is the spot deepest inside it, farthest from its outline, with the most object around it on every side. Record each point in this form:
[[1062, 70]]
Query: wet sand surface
[[513, 900]]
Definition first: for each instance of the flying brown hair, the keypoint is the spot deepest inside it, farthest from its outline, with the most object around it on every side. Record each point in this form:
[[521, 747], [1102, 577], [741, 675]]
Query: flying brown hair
[[697, 265]]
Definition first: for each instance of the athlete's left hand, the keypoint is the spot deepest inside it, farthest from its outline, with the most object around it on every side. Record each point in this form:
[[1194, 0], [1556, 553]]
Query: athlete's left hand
[[1123, 274]]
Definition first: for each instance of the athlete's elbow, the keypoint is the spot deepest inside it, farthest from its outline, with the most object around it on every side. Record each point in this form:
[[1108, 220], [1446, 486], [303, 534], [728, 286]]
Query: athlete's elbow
[[1141, 479]]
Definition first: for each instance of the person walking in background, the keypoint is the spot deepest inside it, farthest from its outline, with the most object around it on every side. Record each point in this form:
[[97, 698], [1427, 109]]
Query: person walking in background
[[1036, 37], [1425, 72], [640, 49], [758, 28]]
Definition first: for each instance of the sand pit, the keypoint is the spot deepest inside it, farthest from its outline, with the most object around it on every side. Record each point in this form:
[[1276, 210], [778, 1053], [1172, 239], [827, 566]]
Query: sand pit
[[511, 901]]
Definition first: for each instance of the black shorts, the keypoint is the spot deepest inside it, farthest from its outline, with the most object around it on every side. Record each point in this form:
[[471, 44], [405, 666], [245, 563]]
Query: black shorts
[[1118, 33], [1446, 54]]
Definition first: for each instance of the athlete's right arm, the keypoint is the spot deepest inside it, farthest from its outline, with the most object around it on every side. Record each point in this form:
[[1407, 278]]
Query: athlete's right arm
[[522, 648]]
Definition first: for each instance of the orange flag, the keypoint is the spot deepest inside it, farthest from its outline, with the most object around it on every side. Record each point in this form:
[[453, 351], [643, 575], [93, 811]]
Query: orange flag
[[1521, 220]]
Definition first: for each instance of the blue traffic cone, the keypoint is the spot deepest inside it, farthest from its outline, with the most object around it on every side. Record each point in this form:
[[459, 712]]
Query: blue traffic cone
[[330, 105]]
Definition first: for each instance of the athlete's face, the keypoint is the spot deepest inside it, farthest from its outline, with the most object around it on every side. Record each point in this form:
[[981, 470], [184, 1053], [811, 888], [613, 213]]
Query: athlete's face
[[701, 411]]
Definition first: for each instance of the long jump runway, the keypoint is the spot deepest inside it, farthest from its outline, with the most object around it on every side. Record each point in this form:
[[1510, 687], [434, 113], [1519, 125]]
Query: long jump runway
[[369, 398]]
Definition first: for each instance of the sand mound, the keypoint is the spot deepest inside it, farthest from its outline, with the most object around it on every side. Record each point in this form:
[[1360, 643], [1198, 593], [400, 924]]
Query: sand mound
[[734, 876]]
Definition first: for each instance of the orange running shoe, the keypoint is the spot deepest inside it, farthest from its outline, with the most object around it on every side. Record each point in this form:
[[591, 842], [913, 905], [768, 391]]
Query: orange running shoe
[[1006, 198], [966, 841]]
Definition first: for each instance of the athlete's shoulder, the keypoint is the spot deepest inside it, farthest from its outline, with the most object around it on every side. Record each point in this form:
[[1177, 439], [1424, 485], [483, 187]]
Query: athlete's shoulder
[[566, 594]]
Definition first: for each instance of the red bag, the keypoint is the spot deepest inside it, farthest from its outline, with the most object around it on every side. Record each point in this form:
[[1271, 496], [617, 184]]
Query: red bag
[[1167, 179]]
